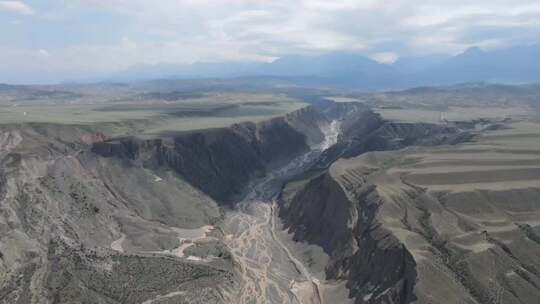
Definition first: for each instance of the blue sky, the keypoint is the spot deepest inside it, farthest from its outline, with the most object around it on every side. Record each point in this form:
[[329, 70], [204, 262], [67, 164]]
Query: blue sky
[[55, 40]]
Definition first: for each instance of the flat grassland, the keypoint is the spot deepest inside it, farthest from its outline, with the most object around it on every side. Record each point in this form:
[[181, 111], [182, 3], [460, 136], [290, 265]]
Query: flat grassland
[[153, 113], [451, 113], [456, 103], [498, 160]]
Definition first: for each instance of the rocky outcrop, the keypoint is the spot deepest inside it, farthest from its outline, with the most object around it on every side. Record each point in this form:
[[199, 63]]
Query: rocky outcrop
[[340, 211], [308, 121], [91, 138], [374, 134], [396, 135], [376, 266], [221, 162], [423, 225], [320, 223]]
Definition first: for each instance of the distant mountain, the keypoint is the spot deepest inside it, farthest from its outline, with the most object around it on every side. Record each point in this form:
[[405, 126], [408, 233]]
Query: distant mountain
[[411, 65], [334, 64], [186, 71], [342, 69], [336, 69], [511, 65]]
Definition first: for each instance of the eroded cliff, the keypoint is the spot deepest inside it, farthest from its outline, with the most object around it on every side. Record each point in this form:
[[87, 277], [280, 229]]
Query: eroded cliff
[[221, 162], [89, 219], [454, 224]]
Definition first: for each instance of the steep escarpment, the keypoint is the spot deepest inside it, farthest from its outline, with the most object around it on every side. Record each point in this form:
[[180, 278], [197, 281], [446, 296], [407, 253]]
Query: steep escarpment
[[321, 223], [372, 133], [395, 135], [450, 224], [221, 162], [339, 209], [376, 266], [86, 218]]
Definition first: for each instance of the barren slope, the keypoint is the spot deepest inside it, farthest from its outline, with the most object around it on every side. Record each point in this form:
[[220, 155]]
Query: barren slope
[[89, 219], [450, 224]]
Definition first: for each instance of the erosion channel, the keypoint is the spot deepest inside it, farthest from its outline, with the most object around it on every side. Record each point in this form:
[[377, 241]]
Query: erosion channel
[[251, 213], [270, 272]]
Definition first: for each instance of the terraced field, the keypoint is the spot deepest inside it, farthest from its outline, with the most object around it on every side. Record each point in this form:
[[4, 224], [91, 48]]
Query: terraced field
[[469, 214]]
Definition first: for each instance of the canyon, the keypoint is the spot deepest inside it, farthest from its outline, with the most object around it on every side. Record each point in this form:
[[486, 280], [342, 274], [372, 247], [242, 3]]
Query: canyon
[[330, 203]]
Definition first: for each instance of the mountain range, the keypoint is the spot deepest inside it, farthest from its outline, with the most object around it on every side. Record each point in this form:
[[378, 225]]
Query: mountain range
[[341, 69]]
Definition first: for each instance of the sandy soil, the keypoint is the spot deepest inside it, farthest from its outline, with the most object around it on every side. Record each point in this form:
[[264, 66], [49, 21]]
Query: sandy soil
[[271, 272], [117, 244]]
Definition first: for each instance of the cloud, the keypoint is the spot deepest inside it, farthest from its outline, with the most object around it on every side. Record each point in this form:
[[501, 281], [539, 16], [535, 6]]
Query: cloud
[[16, 7], [386, 57], [184, 31], [279, 27], [43, 53]]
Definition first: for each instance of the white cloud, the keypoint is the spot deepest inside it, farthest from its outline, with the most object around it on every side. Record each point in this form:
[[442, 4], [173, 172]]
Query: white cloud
[[282, 26], [385, 57], [43, 53], [184, 31], [16, 7]]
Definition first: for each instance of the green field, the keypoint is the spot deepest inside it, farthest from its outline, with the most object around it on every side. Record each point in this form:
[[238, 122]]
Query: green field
[[212, 110]]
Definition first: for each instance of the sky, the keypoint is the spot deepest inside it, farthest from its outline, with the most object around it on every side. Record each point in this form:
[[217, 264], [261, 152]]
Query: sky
[[77, 39]]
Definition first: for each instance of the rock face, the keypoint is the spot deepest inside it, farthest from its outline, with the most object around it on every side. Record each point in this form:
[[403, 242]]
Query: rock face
[[374, 134], [221, 162], [86, 219], [321, 223], [377, 267], [339, 209], [395, 135], [426, 225]]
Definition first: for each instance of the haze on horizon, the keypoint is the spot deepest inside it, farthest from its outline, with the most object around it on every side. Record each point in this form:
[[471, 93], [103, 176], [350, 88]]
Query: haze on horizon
[[53, 41]]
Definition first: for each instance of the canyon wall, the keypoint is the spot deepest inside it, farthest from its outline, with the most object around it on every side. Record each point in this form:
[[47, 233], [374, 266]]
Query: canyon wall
[[221, 162]]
